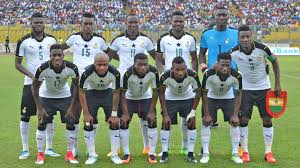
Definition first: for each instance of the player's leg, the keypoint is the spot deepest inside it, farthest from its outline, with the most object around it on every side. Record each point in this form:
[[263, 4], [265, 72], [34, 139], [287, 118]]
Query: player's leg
[[125, 132], [245, 115], [191, 129], [28, 108], [268, 130], [206, 130], [76, 123], [184, 141], [142, 108]]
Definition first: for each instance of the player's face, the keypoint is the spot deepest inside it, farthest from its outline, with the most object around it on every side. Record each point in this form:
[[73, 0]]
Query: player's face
[[245, 39], [132, 24], [224, 66], [221, 17], [179, 71], [141, 66], [177, 23], [101, 66], [87, 25], [56, 57], [38, 24]]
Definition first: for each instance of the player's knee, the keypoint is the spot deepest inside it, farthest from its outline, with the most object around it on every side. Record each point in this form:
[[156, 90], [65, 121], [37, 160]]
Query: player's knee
[[152, 125], [166, 127], [267, 122], [244, 121], [42, 126], [114, 128], [70, 127], [124, 126], [25, 118], [95, 120], [88, 127]]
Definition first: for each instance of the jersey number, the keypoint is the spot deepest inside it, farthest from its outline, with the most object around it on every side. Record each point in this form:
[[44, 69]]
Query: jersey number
[[86, 52], [41, 55], [132, 52], [178, 52], [57, 83]]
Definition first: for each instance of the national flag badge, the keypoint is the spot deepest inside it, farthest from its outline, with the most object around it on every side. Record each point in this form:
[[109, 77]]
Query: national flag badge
[[95, 45], [276, 105]]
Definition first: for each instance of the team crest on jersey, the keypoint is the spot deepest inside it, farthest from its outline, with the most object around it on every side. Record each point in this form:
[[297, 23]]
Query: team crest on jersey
[[226, 40], [142, 45], [187, 45], [95, 45]]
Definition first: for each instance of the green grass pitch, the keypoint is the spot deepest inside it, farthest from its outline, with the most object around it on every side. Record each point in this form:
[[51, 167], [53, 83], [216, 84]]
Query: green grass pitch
[[286, 146]]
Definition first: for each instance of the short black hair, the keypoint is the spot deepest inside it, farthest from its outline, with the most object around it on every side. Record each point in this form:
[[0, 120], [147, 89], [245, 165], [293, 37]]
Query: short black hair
[[225, 56], [37, 15], [88, 15], [244, 28], [177, 13], [141, 56], [178, 60], [55, 46]]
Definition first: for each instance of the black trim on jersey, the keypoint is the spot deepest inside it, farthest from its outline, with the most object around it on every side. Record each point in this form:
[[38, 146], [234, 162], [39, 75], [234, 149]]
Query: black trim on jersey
[[177, 38], [20, 42], [34, 37], [165, 76], [194, 75], [127, 35], [116, 73], [155, 71], [238, 76], [263, 47], [63, 66], [126, 76], [172, 76], [158, 42], [253, 48], [236, 48], [207, 74], [43, 67], [192, 36], [120, 35], [73, 67], [49, 35], [88, 71]]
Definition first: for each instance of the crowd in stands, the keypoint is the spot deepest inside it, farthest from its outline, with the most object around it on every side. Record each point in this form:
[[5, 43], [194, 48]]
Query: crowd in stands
[[152, 12]]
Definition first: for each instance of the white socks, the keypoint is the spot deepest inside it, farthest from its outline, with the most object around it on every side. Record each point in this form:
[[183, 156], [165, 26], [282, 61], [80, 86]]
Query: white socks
[[164, 137], [76, 136], [49, 135], [124, 138], [114, 141], [40, 138], [95, 126], [235, 139], [184, 132], [144, 128], [152, 138], [89, 139], [205, 138], [71, 139], [244, 138], [24, 129], [268, 137], [192, 137]]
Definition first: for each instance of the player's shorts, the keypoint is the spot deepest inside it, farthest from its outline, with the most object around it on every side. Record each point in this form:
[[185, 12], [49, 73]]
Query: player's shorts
[[97, 99], [28, 107], [226, 105], [251, 98], [183, 107], [140, 107], [52, 105]]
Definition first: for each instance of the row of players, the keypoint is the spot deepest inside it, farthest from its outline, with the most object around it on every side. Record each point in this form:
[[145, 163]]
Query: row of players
[[175, 46]]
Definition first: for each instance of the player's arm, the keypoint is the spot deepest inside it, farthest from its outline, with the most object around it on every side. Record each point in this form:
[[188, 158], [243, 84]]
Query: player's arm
[[152, 112], [166, 118], [194, 61], [65, 46], [159, 57], [112, 54], [206, 120], [202, 58], [75, 100], [237, 99], [21, 68], [87, 118], [275, 64]]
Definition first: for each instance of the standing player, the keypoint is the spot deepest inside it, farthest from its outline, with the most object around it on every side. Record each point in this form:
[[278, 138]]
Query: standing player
[[126, 46], [177, 43], [99, 87], [34, 47], [217, 39], [177, 96], [217, 94], [52, 93], [85, 45], [136, 97], [250, 57]]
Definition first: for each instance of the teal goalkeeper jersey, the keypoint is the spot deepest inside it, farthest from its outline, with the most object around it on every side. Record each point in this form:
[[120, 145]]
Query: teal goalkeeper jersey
[[217, 42]]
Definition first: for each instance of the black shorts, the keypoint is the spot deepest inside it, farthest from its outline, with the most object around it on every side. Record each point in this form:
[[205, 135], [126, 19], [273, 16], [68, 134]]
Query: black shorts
[[226, 105], [97, 99], [141, 107], [28, 107], [183, 107], [251, 98], [52, 105]]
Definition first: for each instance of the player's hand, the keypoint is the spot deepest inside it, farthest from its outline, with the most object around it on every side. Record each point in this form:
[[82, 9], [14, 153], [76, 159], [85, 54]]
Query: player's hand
[[207, 120], [70, 115], [215, 66], [166, 122], [203, 67], [277, 89], [234, 121], [125, 119], [113, 121], [191, 123], [151, 118], [87, 119], [191, 115], [42, 115]]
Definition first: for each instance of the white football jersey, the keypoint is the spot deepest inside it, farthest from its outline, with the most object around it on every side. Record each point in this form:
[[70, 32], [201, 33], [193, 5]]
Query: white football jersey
[[173, 47], [127, 48], [253, 66], [91, 80], [139, 87], [84, 51], [55, 83], [180, 90], [221, 89], [35, 52]]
